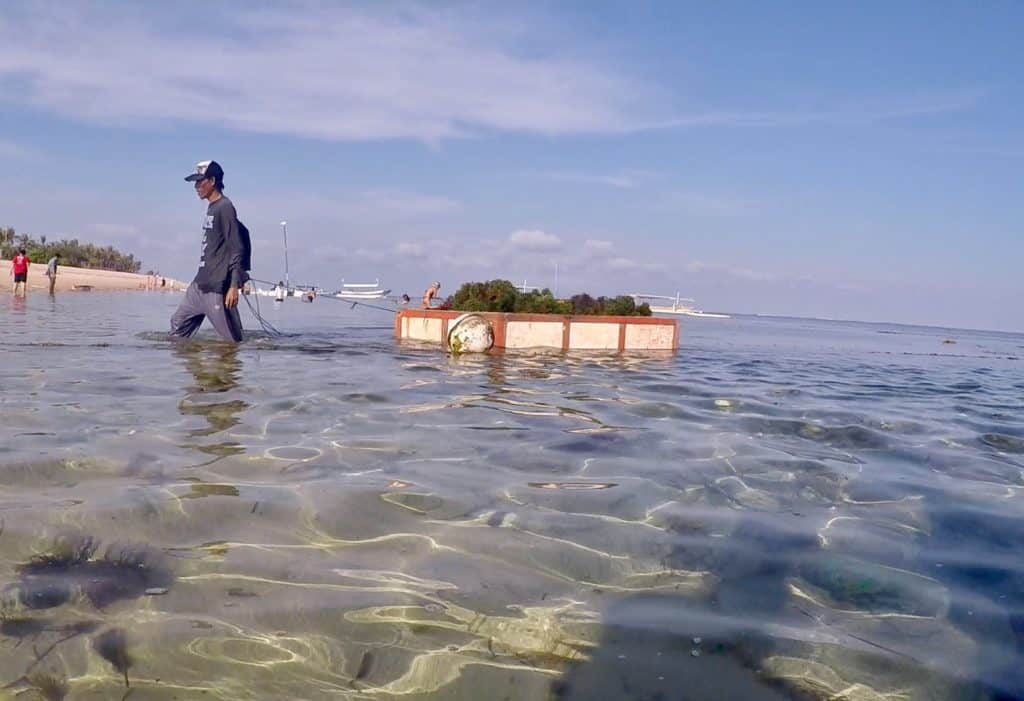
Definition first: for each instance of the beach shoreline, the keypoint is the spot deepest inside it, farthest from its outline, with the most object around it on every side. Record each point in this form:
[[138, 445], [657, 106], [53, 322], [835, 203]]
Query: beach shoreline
[[72, 279]]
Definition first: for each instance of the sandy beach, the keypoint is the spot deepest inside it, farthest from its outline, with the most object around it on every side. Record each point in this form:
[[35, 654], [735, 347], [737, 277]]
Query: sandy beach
[[71, 279]]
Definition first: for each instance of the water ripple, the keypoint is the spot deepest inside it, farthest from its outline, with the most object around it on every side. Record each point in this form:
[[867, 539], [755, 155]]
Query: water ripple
[[784, 509]]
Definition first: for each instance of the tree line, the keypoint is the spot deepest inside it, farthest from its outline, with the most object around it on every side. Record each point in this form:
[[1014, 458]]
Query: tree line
[[72, 252]]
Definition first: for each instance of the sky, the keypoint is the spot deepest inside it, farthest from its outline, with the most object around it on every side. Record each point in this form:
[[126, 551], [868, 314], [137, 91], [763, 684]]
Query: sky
[[851, 160]]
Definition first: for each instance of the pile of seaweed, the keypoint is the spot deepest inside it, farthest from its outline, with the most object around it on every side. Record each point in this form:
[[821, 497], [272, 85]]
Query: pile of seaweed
[[70, 569], [503, 296]]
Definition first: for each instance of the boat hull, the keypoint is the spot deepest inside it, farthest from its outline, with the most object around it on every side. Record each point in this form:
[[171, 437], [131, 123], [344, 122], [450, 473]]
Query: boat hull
[[687, 312], [374, 294]]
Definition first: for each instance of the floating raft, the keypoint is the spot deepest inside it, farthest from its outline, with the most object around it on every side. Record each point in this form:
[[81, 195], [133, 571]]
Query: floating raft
[[562, 332]]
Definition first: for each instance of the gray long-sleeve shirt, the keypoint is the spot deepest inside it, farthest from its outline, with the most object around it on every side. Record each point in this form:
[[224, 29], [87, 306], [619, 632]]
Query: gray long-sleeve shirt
[[220, 266]]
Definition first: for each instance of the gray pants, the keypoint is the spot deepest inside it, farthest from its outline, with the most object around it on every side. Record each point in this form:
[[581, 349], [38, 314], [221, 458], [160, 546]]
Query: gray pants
[[198, 305]]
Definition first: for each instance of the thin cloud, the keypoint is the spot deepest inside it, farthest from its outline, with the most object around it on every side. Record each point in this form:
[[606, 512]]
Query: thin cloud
[[405, 203], [373, 255], [598, 247], [617, 181], [358, 73], [534, 240], [411, 249], [358, 208], [447, 253], [706, 204], [864, 112], [779, 278], [621, 263], [732, 271], [319, 71], [602, 254]]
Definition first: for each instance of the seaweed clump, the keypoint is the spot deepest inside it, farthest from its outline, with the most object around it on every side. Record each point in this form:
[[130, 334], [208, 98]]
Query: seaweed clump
[[48, 686], [503, 296], [71, 568], [113, 647], [20, 627]]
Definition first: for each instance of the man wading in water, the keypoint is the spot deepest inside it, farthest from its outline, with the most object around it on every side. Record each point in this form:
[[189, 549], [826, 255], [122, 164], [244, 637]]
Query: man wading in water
[[213, 293]]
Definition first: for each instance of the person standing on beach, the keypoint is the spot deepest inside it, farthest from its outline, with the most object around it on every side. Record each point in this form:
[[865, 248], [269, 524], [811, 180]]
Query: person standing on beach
[[51, 270], [19, 271], [214, 292]]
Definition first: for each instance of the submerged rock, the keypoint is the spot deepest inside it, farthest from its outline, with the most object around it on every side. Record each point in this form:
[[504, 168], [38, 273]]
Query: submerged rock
[[849, 584], [1002, 442], [818, 681]]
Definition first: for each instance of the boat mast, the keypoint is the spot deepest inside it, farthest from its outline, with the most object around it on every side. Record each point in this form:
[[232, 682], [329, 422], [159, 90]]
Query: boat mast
[[284, 230]]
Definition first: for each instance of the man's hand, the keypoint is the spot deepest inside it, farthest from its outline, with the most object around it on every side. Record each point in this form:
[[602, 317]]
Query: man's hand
[[231, 298]]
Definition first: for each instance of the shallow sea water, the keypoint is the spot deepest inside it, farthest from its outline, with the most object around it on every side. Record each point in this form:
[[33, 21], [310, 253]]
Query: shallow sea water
[[784, 509]]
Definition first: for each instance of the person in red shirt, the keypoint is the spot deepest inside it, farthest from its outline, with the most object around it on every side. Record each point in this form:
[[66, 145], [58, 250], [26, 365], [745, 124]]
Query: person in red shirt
[[19, 271]]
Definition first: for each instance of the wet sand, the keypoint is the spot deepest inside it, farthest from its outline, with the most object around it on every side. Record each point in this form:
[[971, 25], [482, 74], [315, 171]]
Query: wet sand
[[82, 279]]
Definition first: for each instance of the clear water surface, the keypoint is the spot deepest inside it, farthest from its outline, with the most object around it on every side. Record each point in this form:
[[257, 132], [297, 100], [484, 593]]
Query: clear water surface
[[784, 509]]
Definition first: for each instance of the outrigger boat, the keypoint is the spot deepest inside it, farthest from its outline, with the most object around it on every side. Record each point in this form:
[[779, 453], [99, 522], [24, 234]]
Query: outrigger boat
[[361, 290], [680, 305]]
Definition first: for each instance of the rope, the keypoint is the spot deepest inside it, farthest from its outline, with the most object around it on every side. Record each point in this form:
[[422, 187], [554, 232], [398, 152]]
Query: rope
[[265, 282], [267, 327], [389, 310]]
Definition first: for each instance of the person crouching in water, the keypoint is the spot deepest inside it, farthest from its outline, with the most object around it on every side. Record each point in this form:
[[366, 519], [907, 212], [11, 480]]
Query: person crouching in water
[[214, 292]]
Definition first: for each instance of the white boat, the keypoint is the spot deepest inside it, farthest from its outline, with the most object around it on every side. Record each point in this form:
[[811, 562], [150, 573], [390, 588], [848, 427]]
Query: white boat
[[277, 294], [680, 305], [361, 290]]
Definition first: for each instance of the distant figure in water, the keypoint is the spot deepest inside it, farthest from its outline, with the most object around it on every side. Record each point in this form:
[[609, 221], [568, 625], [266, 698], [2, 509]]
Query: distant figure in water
[[429, 294], [405, 299], [19, 271], [279, 291], [51, 270]]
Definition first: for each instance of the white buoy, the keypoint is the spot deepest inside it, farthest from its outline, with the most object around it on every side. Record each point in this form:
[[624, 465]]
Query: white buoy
[[470, 333]]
